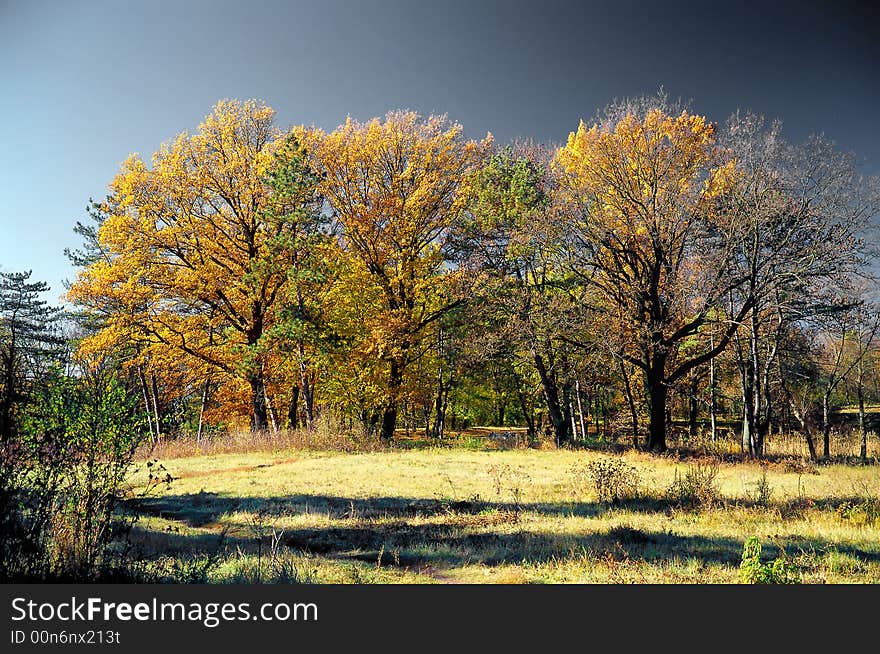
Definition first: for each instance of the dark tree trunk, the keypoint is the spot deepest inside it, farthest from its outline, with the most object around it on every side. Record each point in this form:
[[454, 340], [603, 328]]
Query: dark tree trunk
[[259, 417], [801, 417], [389, 412], [389, 422], [9, 392], [551, 396], [693, 405], [426, 414], [6, 419], [293, 409], [523, 405], [369, 420], [308, 393], [634, 415], [606, 433], [440, 404], [713, 405], [657, 394], [811, 445], [863, 432]]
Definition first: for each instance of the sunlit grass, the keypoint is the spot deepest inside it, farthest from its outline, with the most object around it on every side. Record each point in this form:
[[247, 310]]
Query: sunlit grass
[[512, 516]]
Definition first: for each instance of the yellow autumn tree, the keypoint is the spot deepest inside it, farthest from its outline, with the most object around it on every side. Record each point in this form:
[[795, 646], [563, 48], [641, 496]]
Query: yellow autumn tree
[[649, 233], [394, 186], [354, 378], [199, 247]]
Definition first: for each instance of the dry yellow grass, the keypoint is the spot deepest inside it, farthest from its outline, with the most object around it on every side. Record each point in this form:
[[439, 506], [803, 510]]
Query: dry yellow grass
[[512, 516]]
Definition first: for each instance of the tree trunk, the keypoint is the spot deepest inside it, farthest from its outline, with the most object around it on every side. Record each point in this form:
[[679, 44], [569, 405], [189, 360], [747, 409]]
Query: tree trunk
[[389, 422], [293, 408], [811, 445], [426, 414], [863, 432], [6, 419], [551, 396], [440, 414], [440, 402], [255, 378], [259, 417], [567, 413], [587, 415], [308, 394], [580, 410], [606, 432], [202, 410], [9, 393], [808, 436], [801, 417], [749, 430], [369, 420], [633, 414], [389, 413], [270, 410], [713, 406], [693, 406], [156, 414], [657, 395], [826, 426], [148, 408], [755, 386], [523, 405]]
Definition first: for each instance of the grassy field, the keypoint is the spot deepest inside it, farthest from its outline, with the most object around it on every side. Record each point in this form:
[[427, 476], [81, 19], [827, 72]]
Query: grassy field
[[479, 515]]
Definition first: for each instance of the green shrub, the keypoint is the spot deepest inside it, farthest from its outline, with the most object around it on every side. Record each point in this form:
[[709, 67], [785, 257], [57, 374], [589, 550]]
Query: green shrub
[[753, 571], [62, 477]]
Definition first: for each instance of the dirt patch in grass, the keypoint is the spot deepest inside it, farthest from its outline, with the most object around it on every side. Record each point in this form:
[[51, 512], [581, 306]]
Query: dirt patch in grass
[[193, 474]]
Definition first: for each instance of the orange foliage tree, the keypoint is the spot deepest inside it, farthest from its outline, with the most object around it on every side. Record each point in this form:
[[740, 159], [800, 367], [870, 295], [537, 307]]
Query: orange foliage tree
[[199, 249], [394, 186], [648, 234]]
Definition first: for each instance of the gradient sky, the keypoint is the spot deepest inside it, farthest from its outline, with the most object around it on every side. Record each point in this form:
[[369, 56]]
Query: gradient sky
[[84, 83]]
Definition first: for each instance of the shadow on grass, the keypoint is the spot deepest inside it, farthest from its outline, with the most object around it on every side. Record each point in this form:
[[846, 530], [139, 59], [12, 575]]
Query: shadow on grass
[[204, 508], [488, 533]]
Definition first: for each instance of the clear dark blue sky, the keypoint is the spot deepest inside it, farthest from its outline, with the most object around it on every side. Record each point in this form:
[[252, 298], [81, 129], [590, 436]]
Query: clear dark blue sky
[[85, 83]]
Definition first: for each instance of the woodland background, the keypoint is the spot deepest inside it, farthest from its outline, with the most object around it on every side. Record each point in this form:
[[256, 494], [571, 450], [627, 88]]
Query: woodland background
[[658, 277]]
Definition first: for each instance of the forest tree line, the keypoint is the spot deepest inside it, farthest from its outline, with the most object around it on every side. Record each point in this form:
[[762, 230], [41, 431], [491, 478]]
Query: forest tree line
[[656, 269]]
